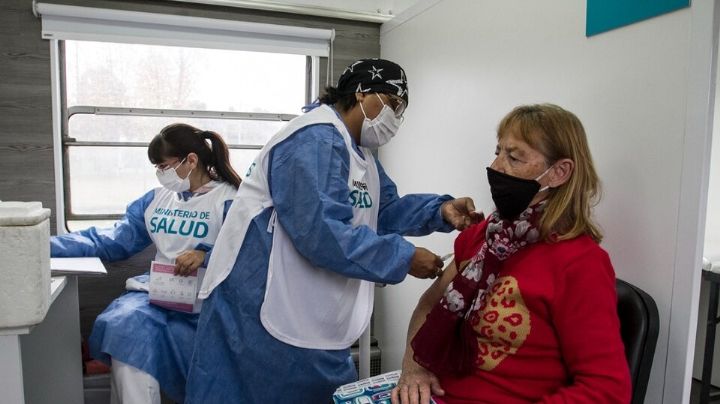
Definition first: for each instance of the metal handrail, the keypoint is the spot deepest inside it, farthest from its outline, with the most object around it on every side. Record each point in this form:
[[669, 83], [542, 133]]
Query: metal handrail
[[175, 113], [179, 113], [76, 143]]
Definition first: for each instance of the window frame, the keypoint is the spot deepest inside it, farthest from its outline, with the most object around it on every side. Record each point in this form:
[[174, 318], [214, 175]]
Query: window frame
[[312, 64]]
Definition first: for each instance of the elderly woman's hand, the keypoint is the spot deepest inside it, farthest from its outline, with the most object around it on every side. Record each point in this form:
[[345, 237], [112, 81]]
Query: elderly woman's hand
[[460, 213], [416, 385]]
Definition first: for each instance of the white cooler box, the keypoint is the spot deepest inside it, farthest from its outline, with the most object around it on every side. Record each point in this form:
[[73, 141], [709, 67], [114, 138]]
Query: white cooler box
[[24, 263]]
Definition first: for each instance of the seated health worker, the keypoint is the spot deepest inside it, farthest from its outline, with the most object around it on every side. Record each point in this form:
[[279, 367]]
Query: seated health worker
[[149, 346], [527, 311], [291, 279]]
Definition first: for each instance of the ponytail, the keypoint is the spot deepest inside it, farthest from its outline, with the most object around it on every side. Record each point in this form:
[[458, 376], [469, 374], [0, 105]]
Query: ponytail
[[220, 161]]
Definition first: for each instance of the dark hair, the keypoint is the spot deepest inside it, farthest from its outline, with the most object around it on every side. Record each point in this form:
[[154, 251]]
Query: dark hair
[[342, 101], [179, 140]]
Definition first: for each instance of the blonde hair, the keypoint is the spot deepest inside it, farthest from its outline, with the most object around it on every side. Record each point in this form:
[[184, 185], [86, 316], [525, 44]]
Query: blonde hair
[[557, 134]]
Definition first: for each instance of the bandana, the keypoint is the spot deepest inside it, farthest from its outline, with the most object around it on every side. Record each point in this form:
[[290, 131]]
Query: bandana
[[449, 341], [374, 76]]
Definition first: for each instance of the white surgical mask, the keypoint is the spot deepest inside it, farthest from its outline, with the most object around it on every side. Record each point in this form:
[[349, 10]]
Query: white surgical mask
[[170, 179], [377, 132]]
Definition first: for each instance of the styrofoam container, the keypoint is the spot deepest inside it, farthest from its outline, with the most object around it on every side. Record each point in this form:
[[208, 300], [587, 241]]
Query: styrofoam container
[[25, 263]]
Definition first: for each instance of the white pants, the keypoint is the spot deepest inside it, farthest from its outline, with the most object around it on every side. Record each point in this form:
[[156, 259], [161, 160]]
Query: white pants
[[130, 385]]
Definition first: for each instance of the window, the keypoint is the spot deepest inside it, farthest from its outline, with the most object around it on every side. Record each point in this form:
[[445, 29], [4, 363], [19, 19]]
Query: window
[[118, 96]]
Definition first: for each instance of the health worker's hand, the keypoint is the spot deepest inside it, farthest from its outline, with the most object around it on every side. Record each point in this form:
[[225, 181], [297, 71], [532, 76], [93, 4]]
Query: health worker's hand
[[188, 261], [425, 264], [416, 386], [461, 213]]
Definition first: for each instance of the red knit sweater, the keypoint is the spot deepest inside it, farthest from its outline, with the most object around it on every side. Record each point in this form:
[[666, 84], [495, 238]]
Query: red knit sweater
[[550, 329]]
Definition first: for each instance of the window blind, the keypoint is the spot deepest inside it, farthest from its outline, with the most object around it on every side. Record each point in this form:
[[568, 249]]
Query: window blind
[[62, 22]]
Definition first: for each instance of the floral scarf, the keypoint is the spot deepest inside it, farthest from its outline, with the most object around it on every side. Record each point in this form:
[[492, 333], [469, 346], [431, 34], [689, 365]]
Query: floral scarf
[[447, 343]]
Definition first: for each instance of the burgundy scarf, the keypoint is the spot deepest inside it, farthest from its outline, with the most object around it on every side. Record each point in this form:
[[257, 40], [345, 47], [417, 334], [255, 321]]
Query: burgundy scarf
[[447, 343]]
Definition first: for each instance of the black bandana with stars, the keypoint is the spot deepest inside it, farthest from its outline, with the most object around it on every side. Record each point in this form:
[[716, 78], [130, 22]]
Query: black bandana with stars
[[374, 76]]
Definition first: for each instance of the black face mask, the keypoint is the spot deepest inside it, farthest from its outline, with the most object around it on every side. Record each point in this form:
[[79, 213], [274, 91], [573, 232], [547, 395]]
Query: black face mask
[[511, 195]]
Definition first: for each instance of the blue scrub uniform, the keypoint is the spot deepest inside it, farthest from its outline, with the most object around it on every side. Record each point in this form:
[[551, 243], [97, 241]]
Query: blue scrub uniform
[[235, 359], [131, 330]]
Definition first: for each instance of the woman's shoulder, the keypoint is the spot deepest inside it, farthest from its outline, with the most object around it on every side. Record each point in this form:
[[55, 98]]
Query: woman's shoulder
[[226, 187], [315, 132], [579, 246], [309, 140], [582, 246], [581, 267], [579, 254], [222, 191], [469, 241], [146, 199]]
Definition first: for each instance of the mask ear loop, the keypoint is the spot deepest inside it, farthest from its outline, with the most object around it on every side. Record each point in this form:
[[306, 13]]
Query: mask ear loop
[[181, 163], [546, 187], [363, 110], [380, 98]]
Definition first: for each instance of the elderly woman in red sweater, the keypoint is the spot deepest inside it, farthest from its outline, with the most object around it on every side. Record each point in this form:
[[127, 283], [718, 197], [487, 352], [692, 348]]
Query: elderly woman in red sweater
[[527, 311]]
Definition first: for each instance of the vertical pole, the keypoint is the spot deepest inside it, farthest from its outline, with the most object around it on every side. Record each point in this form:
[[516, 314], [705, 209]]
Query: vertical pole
[[11, 374], [365, 353]]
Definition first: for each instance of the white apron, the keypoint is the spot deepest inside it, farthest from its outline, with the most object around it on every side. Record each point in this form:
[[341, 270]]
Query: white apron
[[304, 306], [176, 225]]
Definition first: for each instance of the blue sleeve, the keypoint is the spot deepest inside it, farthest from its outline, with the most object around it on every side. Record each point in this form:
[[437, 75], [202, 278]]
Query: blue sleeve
[[126, 238], [208, 247], [308, 182], [411, 215]]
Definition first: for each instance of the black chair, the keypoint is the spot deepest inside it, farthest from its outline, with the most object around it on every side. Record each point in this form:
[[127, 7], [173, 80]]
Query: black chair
[[639, 325]]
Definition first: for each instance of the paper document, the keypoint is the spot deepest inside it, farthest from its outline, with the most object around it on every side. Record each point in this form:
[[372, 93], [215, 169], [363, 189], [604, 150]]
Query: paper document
[[173, 291], [82, 266]]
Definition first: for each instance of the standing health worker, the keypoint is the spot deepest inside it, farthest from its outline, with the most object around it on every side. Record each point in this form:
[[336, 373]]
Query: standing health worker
[[290, 284]]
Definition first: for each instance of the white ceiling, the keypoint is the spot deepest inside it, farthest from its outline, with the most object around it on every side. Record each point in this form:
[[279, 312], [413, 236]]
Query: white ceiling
[[365, 10]]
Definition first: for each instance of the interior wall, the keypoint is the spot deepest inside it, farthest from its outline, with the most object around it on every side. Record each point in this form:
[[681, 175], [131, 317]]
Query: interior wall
[[711, 247], [469, 63], [26, 145], [26, 155]]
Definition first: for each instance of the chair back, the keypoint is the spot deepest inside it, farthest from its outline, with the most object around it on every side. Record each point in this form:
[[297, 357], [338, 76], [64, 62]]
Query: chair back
[[639, 325]]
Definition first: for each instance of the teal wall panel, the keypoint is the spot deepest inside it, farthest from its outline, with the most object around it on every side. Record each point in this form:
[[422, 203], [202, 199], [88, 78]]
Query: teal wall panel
[[604, 15]]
